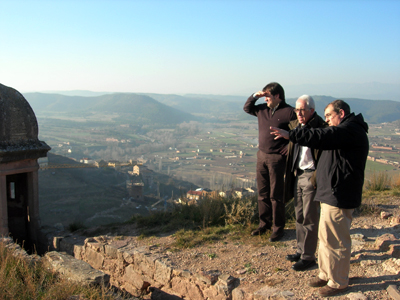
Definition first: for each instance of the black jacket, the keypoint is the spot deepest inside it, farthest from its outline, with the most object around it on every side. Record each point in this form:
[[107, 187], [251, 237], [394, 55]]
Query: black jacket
[[315, 122], [340, 174]]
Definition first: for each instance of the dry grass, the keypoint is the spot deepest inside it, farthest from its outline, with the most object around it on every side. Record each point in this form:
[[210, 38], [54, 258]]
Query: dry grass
[[379, 181], [23, 280], [396, 182]]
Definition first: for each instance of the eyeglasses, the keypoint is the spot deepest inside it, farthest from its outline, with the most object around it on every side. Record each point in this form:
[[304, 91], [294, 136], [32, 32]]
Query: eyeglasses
[[302, 110]]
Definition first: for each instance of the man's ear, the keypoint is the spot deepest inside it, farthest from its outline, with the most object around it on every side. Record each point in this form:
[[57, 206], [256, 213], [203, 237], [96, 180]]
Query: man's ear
[[341, 113]]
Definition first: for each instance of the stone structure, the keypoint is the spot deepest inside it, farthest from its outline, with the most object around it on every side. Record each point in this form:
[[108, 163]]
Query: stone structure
[[19, 152], [137, 270], [140, 270], [135, 189]]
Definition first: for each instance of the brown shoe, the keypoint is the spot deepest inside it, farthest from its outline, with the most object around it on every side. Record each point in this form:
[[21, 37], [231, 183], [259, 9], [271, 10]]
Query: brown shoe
[[259, 231], [327, 291], [317, 282], [276, 236]]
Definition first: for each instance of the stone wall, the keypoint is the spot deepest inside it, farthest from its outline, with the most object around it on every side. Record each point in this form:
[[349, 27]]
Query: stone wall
[[138, 271]]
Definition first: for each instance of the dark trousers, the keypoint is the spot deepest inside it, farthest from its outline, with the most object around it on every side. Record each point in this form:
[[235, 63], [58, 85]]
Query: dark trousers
[[270, 184], [307, 216]]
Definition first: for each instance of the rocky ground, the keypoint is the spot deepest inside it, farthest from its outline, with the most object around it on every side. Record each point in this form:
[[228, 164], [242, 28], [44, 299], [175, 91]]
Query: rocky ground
[[261, 265]]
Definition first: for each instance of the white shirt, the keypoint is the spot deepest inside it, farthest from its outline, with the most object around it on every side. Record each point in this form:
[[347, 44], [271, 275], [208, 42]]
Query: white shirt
[[305, 159]]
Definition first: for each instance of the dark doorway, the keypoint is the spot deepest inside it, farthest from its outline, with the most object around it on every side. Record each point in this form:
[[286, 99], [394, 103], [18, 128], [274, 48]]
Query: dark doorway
[[18, 209]]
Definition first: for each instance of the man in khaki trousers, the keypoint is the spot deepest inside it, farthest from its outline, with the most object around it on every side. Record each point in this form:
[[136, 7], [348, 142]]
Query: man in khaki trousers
[[340, 178]]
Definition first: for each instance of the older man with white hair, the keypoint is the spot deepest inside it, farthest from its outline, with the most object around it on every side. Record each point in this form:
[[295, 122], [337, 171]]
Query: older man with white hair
[[300, 183]]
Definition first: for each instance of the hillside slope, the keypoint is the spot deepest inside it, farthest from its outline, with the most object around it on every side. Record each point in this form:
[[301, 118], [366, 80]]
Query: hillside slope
[[138, 109]]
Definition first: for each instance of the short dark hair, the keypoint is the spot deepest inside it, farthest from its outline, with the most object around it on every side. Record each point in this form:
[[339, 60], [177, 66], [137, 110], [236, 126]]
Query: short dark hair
[[275, 88], [338, 105]]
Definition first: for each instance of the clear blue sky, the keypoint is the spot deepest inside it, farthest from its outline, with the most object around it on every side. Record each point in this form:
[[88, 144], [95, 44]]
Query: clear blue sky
[[198, 46]]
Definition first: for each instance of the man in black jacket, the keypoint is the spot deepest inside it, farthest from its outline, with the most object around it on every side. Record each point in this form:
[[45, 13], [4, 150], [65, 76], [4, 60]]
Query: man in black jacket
[[271, 157], [300, 184], [340, 178]]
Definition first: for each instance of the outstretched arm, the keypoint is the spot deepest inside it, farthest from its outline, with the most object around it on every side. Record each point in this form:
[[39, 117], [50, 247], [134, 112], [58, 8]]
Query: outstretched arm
[[279, 133]]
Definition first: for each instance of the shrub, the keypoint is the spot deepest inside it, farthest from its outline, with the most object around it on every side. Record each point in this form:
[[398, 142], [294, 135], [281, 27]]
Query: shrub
[[209, 212], [75, 226], [240, 211], [378, 182]]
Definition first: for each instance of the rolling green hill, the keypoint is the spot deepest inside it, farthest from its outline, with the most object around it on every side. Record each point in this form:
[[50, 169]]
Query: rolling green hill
[[133, 107]]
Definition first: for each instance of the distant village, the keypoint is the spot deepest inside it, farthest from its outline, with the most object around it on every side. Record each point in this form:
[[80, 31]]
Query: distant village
[[141, 179], [140, 176], [377, 149]]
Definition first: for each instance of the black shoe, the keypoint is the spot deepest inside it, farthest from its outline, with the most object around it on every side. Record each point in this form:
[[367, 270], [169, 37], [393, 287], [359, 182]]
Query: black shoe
[[259, 231], [302, 265], [293, 257], [276, 236]]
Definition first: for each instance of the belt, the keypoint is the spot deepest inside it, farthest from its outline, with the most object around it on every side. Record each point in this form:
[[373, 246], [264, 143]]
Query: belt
[[300, 171]]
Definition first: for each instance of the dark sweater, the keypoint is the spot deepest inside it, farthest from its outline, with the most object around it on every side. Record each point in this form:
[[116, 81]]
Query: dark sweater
[[281, 118]]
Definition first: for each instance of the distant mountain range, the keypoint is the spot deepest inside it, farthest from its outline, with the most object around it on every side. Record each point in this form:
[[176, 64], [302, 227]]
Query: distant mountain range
[[172, 109]]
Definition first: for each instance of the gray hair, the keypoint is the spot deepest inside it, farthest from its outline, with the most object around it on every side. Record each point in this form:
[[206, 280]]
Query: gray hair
[[308, 100]]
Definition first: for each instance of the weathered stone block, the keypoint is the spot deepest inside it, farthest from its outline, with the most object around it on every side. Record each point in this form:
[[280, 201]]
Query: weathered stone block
[[78, 252], [111, 251], [213, 292], [130, 289], [163, 272], [181, 273], [127, 255], [98, 247], [210, 292], [240, 294], [209, 277], [94, 258], [144, 262], [226, 284], [186, 288], [135, 278], [109, 265], [75, 269]]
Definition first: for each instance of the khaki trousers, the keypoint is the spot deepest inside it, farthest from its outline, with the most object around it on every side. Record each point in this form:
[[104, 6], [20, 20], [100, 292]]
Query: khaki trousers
[[334, 245]]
